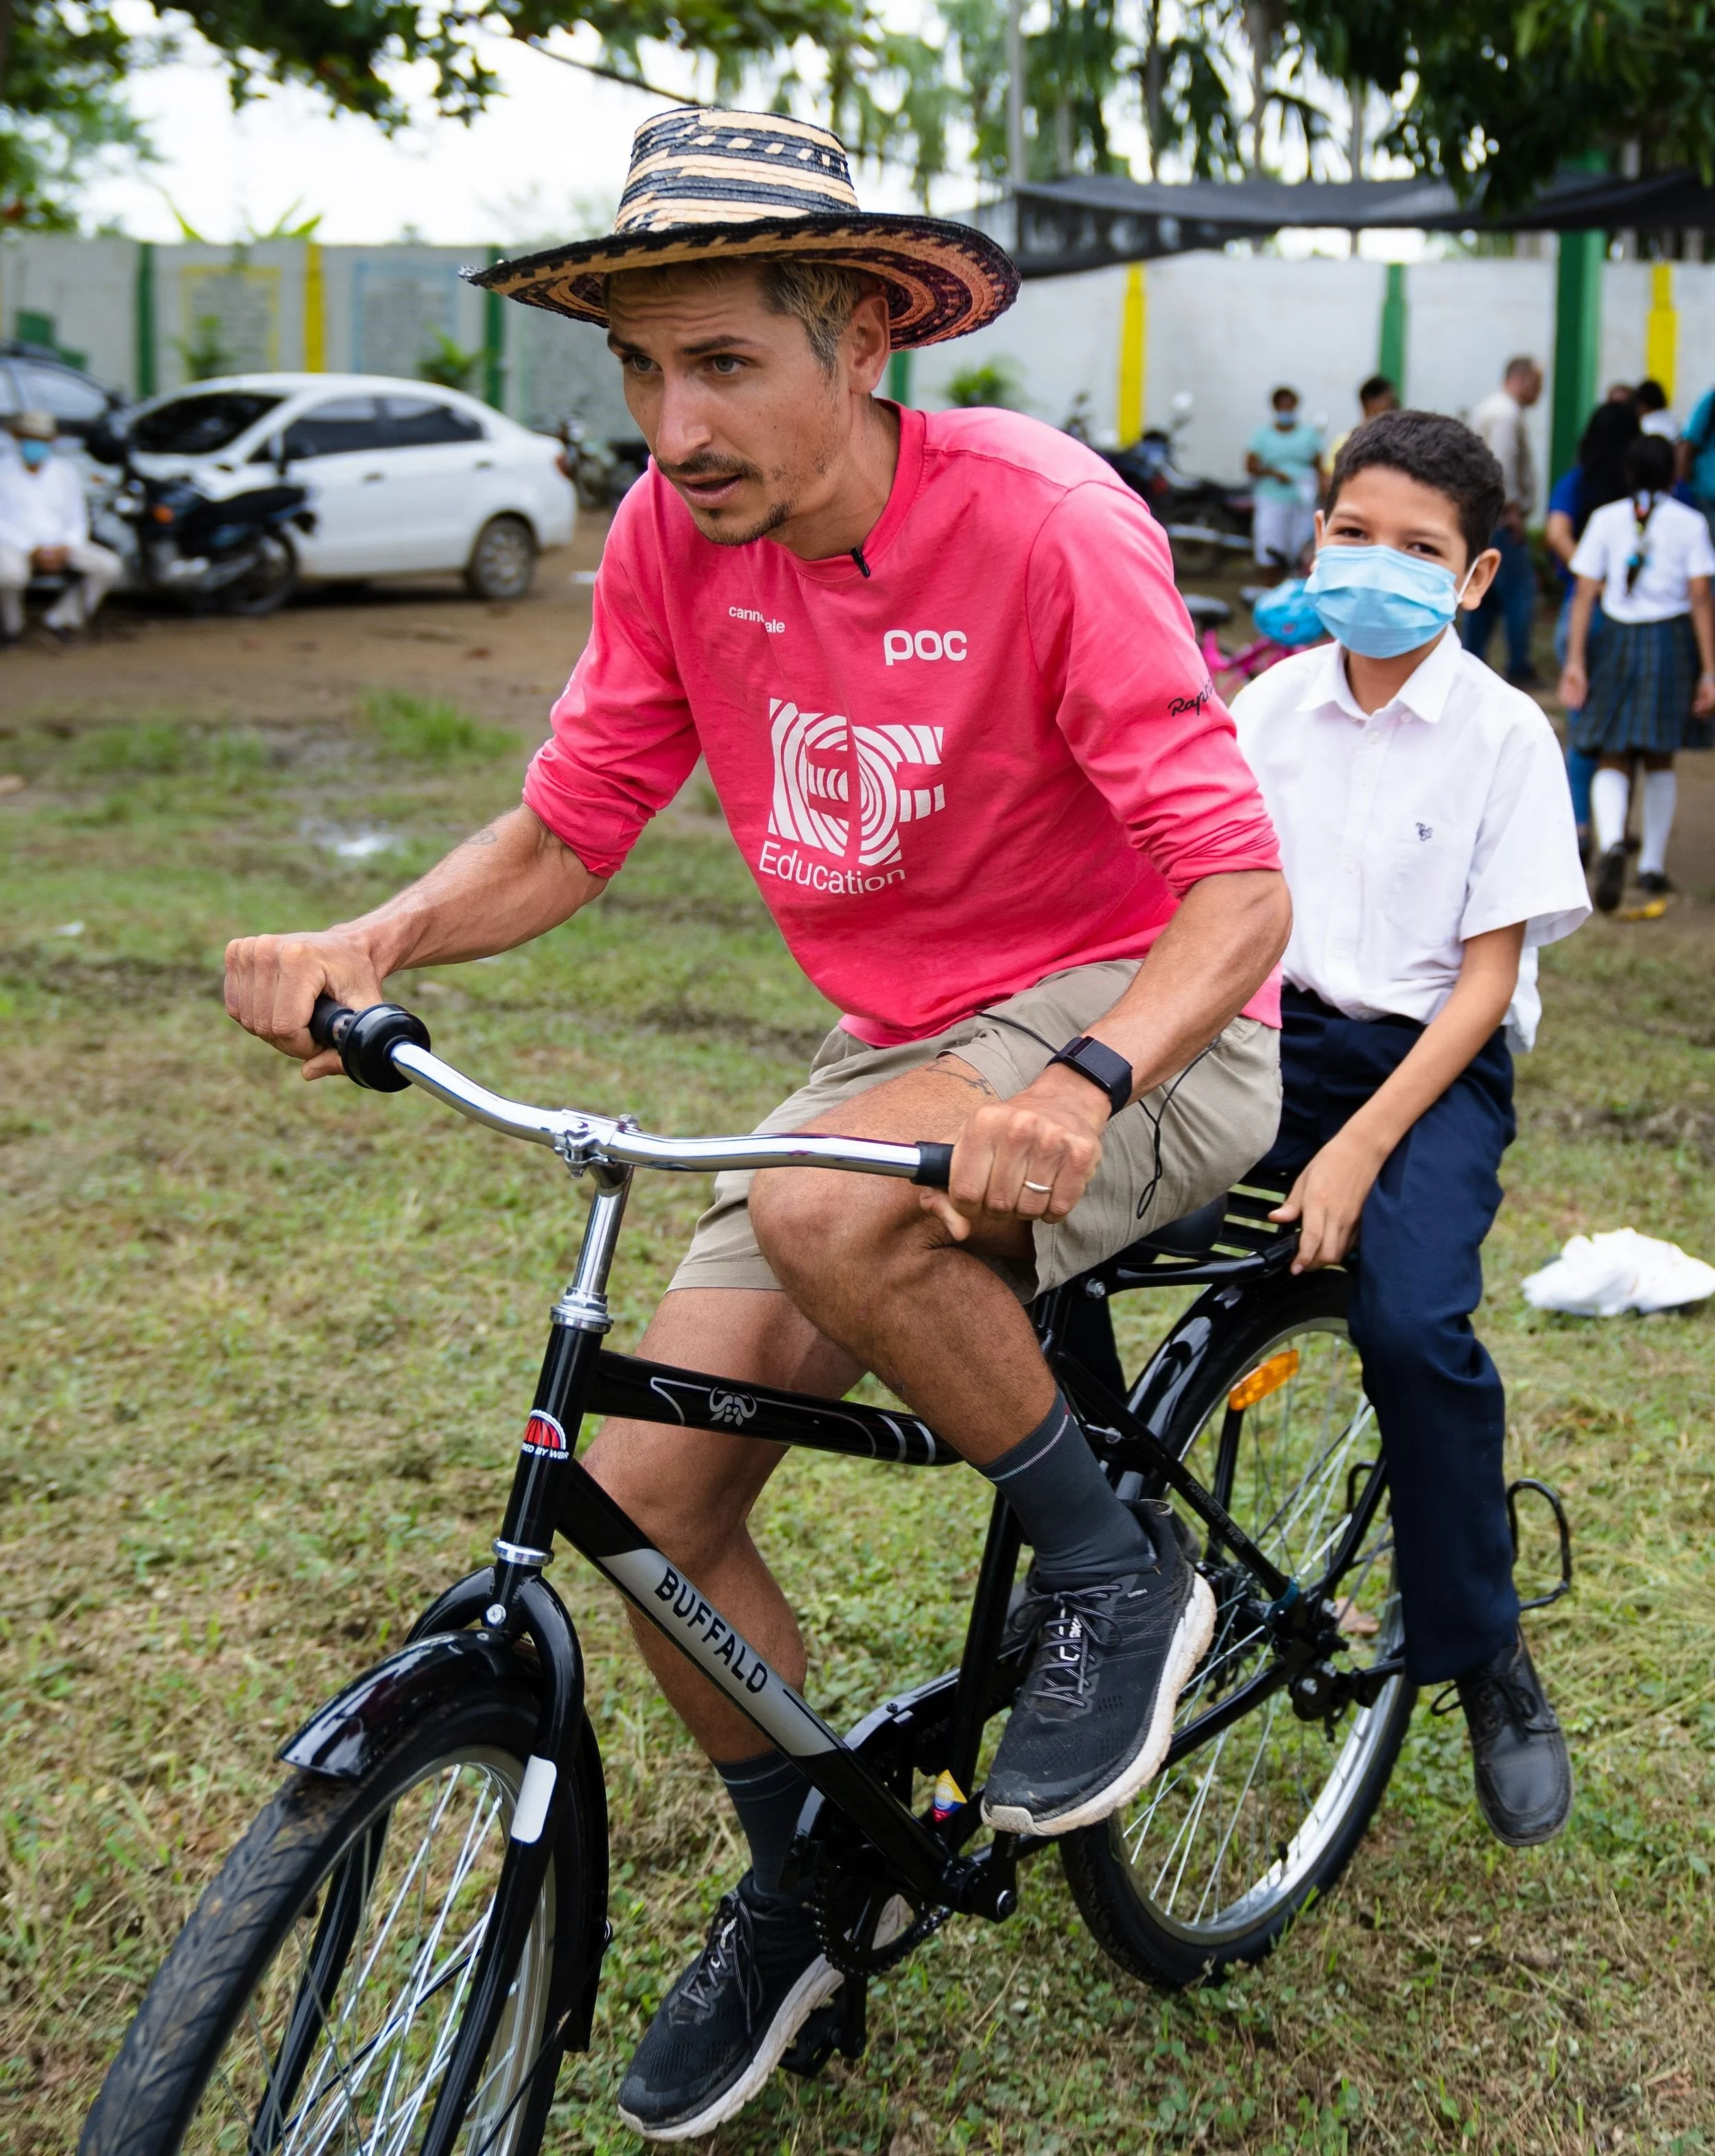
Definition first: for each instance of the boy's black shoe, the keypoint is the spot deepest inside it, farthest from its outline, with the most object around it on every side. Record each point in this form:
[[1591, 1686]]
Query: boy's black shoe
[[1523, 1776], [1611, 878], [1094, 1716], [729, 2021], [1653, 884]]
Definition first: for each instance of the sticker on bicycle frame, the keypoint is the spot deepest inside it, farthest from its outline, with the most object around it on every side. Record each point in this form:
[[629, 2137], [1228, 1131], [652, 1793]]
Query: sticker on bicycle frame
[[948, 1797], [1265, 1379], [544, 1439]]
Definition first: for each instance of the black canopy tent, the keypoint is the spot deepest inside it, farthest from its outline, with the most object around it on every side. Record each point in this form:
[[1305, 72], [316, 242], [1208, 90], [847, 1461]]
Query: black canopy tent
[[1087, 223], [1063, 226]]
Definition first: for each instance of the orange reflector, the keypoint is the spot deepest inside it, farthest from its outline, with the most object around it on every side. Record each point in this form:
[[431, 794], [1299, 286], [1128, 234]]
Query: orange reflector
[[1265, 1379]]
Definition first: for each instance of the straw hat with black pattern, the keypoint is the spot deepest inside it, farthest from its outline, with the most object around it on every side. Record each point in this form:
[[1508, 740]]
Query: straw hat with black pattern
[[710, 186]]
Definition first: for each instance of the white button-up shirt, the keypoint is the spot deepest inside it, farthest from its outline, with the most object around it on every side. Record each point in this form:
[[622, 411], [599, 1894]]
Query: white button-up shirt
[[1674, 544], [1408, 830], [42, 508]]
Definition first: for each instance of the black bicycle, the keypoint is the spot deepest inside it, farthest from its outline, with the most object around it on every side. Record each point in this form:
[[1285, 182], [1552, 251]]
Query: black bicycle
[[409, 1939]]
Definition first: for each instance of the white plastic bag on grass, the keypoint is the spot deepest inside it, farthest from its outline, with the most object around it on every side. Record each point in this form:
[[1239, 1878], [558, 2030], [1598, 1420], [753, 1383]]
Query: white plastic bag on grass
[[1601, 1275]]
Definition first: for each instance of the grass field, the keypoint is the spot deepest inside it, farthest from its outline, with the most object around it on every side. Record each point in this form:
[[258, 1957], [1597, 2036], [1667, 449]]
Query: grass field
[[267, 1350]]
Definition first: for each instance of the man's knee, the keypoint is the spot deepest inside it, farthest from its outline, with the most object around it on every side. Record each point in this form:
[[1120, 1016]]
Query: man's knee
[[810, 1220]]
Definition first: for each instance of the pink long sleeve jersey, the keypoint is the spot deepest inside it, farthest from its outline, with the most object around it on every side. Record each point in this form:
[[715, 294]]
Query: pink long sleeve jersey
[[996, 755]]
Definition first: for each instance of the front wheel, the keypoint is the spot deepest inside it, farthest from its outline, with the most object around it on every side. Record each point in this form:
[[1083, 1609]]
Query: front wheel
[[1213, 1861], [313, 2001]]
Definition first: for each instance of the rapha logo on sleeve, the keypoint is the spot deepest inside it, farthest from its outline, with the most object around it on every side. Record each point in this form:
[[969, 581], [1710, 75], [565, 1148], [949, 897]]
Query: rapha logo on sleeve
[[544, 1438]]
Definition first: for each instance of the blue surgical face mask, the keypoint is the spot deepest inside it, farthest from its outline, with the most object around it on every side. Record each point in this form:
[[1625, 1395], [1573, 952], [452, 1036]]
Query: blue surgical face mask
[[1286, 419], [34, 454], [1380, 602]]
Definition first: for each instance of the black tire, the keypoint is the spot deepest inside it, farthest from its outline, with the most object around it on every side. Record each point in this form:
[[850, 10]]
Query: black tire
[[502, 564], [1213, 1861], [196, 2065], [269, 581]]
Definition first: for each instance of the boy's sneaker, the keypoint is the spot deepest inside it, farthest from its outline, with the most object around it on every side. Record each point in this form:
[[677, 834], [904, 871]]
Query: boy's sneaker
[[1610, 880], [729, 2021], [1523, 1775], [1094, 1716]]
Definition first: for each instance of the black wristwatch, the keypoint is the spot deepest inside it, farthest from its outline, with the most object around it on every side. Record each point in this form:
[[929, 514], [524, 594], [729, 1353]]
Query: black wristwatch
[[1101, 1066]]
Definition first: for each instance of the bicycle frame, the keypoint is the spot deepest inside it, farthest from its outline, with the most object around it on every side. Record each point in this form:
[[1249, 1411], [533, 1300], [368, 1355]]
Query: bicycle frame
[[936, 1728]]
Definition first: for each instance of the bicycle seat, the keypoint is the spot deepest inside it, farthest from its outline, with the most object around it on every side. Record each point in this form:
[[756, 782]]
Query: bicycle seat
[[1192, 1236], [1206, 611]]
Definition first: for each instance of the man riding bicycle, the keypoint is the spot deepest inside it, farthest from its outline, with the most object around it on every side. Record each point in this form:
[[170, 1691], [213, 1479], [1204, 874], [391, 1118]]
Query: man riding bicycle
[[956, 716]]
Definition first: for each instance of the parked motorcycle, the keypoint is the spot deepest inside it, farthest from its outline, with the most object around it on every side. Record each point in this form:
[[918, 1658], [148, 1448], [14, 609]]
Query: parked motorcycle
[[1205, 520], [601, 471], [225, 551]]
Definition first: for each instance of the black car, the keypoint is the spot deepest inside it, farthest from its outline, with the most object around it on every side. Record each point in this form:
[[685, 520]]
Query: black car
[[34, 378]]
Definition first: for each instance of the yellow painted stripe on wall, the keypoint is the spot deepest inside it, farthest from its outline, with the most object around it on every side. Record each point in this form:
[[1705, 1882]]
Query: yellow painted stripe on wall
[[1134, 341], [315, 311], [1662, 329]]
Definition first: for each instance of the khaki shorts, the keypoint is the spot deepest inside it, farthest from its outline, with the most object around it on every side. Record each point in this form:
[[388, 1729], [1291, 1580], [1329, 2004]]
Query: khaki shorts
[[1218, 1123]]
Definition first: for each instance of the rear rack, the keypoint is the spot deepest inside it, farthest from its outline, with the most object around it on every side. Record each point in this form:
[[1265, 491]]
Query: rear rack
[[1246, 1245]]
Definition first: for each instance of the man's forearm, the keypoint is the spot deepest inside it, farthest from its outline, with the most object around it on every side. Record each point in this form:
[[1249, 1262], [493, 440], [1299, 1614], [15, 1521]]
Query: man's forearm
[[504, 885], [1205, 965]]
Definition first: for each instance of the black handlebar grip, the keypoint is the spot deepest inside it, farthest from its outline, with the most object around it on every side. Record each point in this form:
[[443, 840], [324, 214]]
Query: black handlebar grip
[[934, 1164], [365, 1040]]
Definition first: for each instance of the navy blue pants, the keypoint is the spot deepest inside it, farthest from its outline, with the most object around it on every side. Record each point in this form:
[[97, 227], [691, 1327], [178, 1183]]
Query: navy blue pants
[[1418, 1276], [1512, 598]]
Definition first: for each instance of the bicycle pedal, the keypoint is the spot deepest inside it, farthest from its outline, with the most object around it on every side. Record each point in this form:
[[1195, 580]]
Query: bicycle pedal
[[816, 2042]]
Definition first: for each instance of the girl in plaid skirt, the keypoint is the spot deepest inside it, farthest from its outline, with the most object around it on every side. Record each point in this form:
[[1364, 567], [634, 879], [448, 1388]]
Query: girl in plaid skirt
[[1651, 691]]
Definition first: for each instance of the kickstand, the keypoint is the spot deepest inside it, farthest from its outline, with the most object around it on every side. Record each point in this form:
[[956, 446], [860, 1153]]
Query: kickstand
[[854, 2017]]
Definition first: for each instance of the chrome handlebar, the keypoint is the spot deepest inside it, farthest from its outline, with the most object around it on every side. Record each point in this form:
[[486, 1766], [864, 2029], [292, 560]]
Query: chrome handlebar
[[387, 1047]]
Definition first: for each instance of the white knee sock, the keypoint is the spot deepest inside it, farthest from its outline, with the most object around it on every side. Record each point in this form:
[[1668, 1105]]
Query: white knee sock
[[1610, 795], [1661, 790]]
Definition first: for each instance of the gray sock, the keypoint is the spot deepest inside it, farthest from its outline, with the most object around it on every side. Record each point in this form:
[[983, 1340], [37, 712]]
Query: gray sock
[[768, 1792], [1079, 1530]]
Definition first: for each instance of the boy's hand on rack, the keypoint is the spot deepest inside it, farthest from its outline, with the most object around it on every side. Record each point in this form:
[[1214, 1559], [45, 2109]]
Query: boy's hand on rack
[[1327, 1201]]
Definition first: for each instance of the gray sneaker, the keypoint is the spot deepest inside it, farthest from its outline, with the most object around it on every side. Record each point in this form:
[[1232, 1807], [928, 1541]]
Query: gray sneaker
[[1094, 1716]]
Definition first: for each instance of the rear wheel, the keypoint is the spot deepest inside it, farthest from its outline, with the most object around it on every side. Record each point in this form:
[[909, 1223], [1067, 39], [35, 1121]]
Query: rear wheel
[[502, 564], [1212, 1861], [312, 2003]]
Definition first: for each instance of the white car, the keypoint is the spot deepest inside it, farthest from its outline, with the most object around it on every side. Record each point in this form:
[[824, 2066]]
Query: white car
[[404, 477]]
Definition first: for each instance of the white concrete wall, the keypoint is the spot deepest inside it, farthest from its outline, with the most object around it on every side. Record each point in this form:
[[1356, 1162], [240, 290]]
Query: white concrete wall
[[1225, 328], [1229, 329]]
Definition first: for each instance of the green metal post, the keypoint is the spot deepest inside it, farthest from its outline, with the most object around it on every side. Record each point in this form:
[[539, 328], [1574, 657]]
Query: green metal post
[[143, 319], [1390, 359], [1577, 341], [899, 377], [494, 341]]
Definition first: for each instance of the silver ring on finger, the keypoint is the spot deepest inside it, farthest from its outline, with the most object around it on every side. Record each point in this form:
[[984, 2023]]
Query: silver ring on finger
[[1046, 1188]]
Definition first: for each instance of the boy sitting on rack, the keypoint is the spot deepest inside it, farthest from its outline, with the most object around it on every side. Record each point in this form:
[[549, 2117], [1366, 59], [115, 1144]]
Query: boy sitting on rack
[[1427, 839]]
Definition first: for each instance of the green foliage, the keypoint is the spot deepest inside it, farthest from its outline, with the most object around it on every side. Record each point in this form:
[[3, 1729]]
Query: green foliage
[[430, 730], [205, 352], [449, 364], [995, 382]]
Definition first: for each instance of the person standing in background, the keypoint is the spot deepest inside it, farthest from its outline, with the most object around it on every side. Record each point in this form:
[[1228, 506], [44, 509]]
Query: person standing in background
[[1512, 598], [1377, 395], [1650, 400], [1285, 460], [1651, 689], [1598, 477], [44, 531], [1697, 456]]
